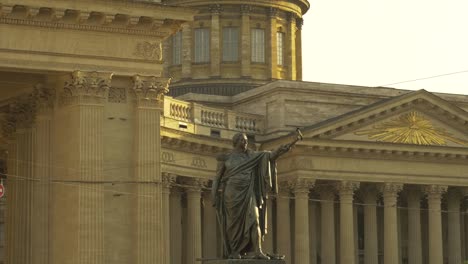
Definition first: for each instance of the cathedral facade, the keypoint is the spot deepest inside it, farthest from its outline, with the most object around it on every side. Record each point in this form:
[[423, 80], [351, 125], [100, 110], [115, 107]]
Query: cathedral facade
[[113, 113]]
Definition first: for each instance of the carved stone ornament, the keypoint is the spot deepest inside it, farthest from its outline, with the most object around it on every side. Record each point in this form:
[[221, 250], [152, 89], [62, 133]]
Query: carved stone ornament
[[149, 51], [411, 128], [301, 185], [44, 97], [346, 188], [215, 9], [168, 179], [88, 84], [390, 189], [150, 87], [24, 109], [434, 191]]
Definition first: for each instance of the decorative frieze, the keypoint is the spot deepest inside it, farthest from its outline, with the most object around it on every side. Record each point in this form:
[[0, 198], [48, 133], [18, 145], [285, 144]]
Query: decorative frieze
[[149, 51], [150, 88]]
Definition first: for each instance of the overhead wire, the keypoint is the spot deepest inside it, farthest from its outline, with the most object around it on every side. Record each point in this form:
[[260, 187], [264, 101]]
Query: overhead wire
[[423, 78]]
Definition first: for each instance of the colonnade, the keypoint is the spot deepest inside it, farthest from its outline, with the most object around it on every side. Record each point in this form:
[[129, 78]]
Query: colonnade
[[316, 222]]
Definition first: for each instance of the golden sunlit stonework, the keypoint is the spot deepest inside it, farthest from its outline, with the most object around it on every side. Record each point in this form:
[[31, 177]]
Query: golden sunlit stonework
[[411, 128], [113, 114]]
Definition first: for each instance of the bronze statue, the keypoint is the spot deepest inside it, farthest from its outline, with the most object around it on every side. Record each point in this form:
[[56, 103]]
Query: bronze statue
[[243, 179]]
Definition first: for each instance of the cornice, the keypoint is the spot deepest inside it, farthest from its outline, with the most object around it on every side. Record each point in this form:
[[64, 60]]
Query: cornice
[[378, 150], [86, 19], [186, 145]]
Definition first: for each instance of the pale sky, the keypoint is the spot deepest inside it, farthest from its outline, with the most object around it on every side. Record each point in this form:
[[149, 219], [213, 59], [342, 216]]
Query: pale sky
[[380, 42]]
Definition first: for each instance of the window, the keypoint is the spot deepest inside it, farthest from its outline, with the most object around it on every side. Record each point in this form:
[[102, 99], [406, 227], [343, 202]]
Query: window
[[230, 44], [177, 48], [258, 45], [202, 45], [279, 46]]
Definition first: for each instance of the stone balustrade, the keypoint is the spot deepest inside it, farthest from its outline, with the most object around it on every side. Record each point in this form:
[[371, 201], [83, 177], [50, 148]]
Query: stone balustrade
[[212, 117]]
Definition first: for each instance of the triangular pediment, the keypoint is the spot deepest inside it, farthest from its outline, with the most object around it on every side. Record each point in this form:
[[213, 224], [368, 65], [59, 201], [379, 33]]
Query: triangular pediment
[[418, 118]]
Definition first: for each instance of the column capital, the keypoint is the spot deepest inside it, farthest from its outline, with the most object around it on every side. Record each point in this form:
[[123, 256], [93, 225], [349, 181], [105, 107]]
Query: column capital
[[21, 113], [272, 12], [88, 84], [150, 88], [246, 9], [299, 22], [44, 97], [284, 188], [215, 9], [346, 188], [193, 185], [434, 191], [292, 17], [390, 189], [168, 180], [301, 185]]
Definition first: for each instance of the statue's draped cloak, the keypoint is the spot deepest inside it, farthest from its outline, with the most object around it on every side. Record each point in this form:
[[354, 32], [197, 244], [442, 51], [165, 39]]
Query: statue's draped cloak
[[246, 179]]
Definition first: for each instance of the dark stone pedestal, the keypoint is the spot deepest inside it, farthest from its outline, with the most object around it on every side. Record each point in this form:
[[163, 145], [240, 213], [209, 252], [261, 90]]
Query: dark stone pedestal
[[242, 261]]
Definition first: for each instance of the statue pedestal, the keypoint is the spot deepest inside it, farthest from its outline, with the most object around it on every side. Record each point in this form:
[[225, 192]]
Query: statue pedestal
[[242, 261]]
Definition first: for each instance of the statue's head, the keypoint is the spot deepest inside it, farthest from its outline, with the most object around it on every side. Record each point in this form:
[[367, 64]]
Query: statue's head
[[240, 141]]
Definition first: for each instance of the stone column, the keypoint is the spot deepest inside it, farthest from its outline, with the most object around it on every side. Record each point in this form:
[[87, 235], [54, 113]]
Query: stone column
[[328, 249], [434, 195], [149, 235], [313, 231], [390, 194], [299, 22], [22, 134], [245, 41], [273, 52], [454, 230], [186, 50], [300, 188], [25, 140], [194, 232], [42, 169], [85, 94], [414, 226], [12, 201], [291, 46], [168, 181], [268, 239], [215, 46], [210, 240], [347, 246], [369, 197], [176, 226], [283, 230]]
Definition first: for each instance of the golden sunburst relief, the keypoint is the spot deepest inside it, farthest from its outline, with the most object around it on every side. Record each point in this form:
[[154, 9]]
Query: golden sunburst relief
[[410, 128]]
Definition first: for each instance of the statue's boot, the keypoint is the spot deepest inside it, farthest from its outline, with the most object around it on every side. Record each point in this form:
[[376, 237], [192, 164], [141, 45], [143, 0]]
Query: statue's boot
[[234, 255], [261, 255]]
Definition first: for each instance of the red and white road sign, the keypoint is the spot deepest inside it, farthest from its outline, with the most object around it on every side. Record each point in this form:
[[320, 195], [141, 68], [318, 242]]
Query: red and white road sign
[[2, 190]]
